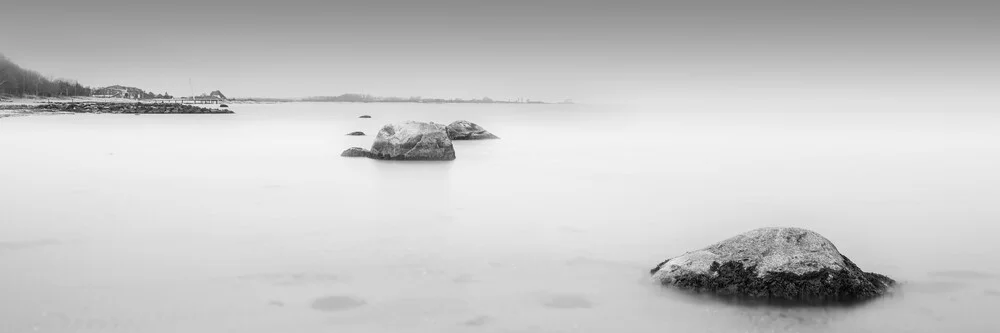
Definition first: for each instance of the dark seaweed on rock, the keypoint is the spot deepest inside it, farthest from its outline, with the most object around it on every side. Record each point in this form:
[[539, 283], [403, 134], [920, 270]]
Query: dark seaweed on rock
[[733, 279]]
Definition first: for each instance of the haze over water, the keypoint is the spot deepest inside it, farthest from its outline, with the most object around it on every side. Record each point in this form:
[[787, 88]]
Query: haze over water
[[252, 222]]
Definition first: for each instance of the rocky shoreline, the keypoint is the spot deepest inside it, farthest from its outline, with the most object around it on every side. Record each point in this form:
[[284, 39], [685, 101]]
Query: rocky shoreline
[[117, 108]]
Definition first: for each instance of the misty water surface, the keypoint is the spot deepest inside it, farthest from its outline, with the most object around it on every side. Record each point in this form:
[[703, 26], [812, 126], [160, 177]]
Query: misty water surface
[[253, 222]]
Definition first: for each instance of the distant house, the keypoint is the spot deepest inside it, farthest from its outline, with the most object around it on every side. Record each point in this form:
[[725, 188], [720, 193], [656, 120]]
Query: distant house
[[203, 98], [218, 94], [213, 97]]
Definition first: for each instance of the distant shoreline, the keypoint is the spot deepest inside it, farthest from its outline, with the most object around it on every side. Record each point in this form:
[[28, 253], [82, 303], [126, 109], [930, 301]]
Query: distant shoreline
[[428, 101], [87, 99], [22, 86]]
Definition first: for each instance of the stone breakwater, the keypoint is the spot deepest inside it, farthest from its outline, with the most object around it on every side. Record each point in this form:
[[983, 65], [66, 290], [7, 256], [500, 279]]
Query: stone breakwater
[[135, 108]]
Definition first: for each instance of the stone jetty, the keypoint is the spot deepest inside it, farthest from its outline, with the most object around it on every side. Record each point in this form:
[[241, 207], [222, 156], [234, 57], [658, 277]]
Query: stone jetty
[[136, 108]]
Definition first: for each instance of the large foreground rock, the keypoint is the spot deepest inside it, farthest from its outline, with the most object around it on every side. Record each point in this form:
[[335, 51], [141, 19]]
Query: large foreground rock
[[412, 140], [774, 263], [464, 130]]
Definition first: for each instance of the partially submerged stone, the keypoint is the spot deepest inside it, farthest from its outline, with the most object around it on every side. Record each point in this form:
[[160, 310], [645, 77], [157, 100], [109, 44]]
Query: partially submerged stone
[[356, 133], [478, 321], [355, 152], [464, 130], [412, 140], [773, 263], [566, 301], [337, 303]]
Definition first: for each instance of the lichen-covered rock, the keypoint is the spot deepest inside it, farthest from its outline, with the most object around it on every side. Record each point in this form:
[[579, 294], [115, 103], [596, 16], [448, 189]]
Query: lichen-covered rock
[[773, 263], [412, 140], [355, 152], [464, 130], [356, 133]]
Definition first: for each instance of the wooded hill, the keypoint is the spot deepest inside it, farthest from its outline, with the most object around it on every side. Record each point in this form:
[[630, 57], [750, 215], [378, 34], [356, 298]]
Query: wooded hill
[[18, 82]]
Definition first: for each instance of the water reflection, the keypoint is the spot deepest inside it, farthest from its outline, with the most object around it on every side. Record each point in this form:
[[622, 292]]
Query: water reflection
[[551, 229], [566, 301], [23, 245]]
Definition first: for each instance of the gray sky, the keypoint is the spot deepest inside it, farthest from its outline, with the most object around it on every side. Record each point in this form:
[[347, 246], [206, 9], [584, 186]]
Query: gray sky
[[586, 50]]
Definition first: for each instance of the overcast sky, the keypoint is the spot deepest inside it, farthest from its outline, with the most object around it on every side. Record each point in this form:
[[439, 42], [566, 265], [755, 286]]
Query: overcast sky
[[583, 50]]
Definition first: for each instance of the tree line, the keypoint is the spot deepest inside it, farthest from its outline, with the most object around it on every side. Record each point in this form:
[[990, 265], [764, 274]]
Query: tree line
[[17, 81]]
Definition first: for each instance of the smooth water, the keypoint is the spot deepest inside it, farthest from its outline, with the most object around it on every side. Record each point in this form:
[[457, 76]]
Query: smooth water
[[252, 222]]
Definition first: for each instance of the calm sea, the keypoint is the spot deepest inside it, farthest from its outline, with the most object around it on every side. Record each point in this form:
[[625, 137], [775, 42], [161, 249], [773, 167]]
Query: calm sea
[[252, 222]]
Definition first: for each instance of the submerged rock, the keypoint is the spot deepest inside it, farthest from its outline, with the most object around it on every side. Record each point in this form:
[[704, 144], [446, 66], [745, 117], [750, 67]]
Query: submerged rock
[[773, 263], [356, 133], [567, 301], [412, 140], [355, 152], [365, 116], [337, 303], [478, 321], [464, 130]]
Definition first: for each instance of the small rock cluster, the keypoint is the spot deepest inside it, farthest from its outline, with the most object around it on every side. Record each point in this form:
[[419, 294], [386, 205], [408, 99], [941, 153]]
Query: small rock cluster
[[412, 140]]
